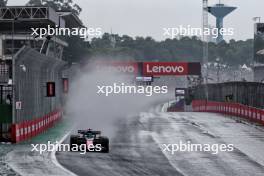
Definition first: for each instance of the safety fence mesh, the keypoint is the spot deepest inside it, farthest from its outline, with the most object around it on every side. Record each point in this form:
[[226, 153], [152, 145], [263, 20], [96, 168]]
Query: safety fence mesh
[[246, 93], [32, 72]]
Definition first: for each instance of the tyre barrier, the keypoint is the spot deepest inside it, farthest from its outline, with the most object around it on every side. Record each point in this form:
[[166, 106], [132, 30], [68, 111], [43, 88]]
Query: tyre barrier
[[30, 128], [233, 109]]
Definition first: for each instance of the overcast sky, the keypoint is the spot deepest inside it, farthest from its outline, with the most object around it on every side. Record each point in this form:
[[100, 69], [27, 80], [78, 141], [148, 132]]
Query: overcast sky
[[149, 17]]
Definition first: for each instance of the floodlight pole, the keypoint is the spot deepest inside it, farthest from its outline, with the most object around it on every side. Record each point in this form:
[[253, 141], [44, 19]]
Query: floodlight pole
[[205, 46], [13, 75]]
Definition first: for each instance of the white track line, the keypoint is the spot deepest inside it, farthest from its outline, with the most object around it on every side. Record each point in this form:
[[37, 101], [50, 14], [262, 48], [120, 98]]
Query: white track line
[[55, 161]]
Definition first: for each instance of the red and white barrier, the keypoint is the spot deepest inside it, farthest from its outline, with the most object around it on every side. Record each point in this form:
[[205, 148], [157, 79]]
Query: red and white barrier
[[234, 109], [27, 129]]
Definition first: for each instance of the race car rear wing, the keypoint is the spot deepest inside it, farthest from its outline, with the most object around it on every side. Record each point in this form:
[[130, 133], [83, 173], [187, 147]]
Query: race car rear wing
[[88, 131]]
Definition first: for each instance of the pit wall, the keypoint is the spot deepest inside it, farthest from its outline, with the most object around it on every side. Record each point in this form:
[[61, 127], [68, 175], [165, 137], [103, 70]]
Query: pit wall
[[233, 109], [30, 128]]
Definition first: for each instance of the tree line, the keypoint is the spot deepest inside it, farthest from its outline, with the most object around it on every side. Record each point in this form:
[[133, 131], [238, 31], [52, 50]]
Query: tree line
[[189, 49], [113, 46]]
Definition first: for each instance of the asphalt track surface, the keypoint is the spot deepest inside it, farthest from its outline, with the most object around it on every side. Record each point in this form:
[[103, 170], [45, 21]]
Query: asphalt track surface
[[136, 149]]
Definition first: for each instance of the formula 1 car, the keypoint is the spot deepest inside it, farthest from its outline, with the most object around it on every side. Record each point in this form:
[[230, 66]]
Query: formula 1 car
[[90, 138]]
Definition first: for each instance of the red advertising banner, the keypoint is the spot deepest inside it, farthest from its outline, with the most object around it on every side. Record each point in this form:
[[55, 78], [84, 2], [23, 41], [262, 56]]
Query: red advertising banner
[[165, 68], [150, 68]]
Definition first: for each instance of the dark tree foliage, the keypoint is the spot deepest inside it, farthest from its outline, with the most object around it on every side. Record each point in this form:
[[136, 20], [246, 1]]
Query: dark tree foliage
[[233, 53], [77, 49], [63, 5], [34, 3], [3, 3]]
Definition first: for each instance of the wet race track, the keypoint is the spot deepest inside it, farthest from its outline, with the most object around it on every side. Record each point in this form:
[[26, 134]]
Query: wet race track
[[137, 148]]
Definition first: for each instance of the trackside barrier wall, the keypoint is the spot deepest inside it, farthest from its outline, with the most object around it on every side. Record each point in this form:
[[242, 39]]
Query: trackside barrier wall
[[234, 109], [247, 93], [36, 112], [30, 128]]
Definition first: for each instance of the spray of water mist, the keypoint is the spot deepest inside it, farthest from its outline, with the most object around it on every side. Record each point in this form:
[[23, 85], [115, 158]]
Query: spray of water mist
[[88, 109]]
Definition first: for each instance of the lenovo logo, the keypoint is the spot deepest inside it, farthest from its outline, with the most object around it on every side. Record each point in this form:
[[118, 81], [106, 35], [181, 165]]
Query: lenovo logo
[[165, 68], [117, 67]]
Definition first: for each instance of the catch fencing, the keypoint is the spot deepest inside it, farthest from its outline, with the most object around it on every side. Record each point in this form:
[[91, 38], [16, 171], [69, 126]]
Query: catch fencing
[[246, 93], [33, 109]]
